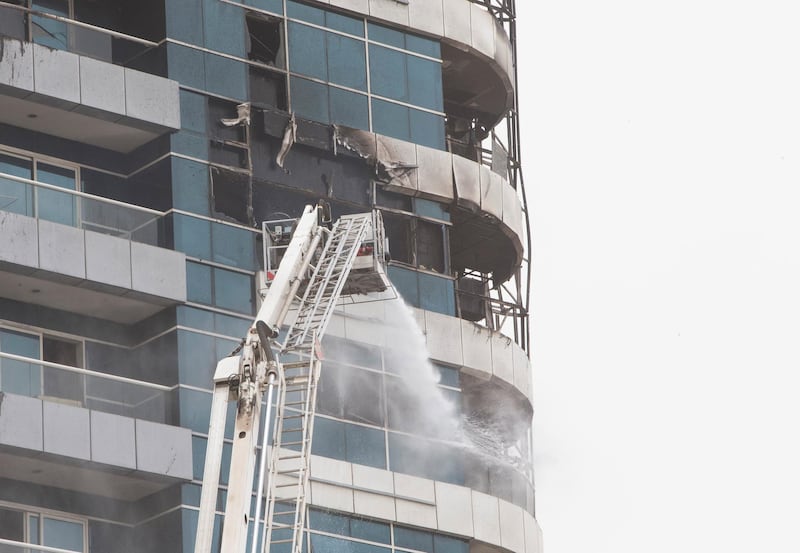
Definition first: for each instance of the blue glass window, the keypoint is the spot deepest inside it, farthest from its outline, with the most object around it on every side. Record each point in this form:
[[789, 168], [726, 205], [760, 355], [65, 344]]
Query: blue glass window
[[365, 446], [307, 51], [347, 64], [19, 377], [425, 83], [345, 24], [50, 32], [310, 99], [55, 206], [233, 246], [233, 291], [390, 119], [427, 128], [388, 73], [424, 46], [328, 438], [198, 283], [348, 108], [15, 196], [192, 236], [296, 10], [446, 544], [409, 538], [386, 35], [63, 534], [274, 6]]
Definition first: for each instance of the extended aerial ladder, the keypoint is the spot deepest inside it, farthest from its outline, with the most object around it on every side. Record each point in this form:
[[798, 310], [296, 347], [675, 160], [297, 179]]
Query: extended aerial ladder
[[320, 263]]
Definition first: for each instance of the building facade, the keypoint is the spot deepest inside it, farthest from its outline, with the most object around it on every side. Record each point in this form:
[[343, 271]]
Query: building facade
[[142, 145]]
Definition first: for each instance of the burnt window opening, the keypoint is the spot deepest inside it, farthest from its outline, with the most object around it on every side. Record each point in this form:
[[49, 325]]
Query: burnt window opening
[[417, 242], [265, 39], [430, 240], [268, 88], [393, 200], [218, 110], [231, 194]]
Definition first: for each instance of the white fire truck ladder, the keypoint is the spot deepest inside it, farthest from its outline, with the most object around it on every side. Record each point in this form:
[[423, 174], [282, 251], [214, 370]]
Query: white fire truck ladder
[[288, 484], [295, 371]]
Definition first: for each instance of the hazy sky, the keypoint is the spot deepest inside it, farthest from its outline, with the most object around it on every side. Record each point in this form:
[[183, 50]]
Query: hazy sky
[[662, 159]]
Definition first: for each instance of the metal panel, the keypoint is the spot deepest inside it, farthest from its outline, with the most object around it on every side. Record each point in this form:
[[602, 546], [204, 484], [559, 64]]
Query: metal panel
[[512, 211], [502, 51], [533, 537], [443, 335], [374, 506], [427, 16], [158, 271], [477, 346], [16, 68], [397, 160], [153, 99], [102, 88], [331, 470], [365, 503], [66, 430], [370, 478], [522, 372], [503, 357], [21, 422], [467, 179], [18, 232], [457, 15], [512, 531], [486, 518], [61, 250], [389, 10], [163, 449], [358, 6], [435, 173], [56, 75], [414, 512], [108, 259], [332, 497], [492, 194], [454, 509], [482, 30], [113, 440]]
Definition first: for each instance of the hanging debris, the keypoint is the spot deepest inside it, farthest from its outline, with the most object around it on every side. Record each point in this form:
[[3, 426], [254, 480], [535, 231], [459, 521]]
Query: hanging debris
[[242, 116], [289, 137]]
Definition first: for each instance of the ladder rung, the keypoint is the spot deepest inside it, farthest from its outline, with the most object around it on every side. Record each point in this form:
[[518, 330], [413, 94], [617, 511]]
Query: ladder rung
[[287, 444], [283, 513], [289, 485], [290, 540]]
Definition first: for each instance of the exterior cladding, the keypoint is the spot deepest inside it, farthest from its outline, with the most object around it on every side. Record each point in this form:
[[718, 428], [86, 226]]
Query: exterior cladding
[[130, 262]]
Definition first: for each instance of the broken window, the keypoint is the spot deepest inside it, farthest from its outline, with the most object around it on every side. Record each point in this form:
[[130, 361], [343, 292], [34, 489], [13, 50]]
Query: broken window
[[268, 88], [231, 194], [430, 246], [265, 39], [398, 232]]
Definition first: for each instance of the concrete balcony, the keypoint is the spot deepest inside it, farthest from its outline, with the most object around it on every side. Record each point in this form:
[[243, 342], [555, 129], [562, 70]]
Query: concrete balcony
[[83, 99], [85, 254], [69, 447]]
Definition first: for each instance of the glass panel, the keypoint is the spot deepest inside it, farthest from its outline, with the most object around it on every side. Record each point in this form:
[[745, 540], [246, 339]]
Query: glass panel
[[448, 376], [379, 33], [370, 530], [233, 246], [345, 24], [307, 51], [274, 6], [425, 83], [33, 529], [15, 196], [310, 100], [427, 129], [11, 525], [413, 539], [297, 10], [347, 64], [58, 207], [49, 32], [233, 291], [328, 438], [63, 534], [192, 236], [446, 544], [365, 446], [198, 283], [390, 119], [326, 521], [349, 108], [387, 70], [423, 46], [19, 377]]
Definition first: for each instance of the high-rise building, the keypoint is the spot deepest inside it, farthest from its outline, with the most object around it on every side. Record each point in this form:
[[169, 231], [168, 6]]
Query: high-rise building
[[142, 145]]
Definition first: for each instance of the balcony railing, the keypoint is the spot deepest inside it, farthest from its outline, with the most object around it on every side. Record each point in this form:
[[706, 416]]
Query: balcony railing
[[107, 393], [62, 33], [78, 209]]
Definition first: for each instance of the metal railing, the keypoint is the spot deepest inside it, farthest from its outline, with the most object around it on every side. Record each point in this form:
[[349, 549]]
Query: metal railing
[[79, 387], [79, 209], [63, 33]]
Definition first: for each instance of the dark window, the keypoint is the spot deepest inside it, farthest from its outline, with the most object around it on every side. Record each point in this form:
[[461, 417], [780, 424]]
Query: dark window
[[12, 525], [264, 39], [398, 231], [57, 382], [430, 246], [231, 194]]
